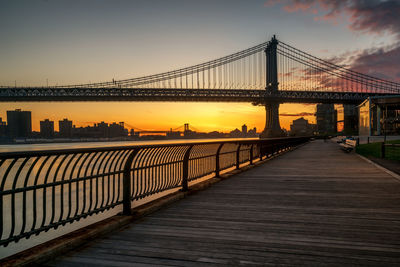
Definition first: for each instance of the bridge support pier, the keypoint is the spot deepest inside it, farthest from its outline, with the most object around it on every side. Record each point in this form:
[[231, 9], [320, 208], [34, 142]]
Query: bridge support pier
[[272, 125], [350, 118]]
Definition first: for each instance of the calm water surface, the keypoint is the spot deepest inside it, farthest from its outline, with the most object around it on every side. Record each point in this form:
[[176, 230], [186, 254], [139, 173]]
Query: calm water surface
[[53, 146]]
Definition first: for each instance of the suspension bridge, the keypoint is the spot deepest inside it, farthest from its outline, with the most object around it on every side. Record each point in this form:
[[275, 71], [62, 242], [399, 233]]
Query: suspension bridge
[[180, 129], [267, 74]]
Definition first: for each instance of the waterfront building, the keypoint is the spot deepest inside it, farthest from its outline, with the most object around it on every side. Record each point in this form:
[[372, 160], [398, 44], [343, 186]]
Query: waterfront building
[[47, 129], [244, 129], [3, 128], [301, 127], [19, 123], [65, 128], [379, 115]]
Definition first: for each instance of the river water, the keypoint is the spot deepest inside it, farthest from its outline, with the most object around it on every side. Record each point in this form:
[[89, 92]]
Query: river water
[[51, 146]]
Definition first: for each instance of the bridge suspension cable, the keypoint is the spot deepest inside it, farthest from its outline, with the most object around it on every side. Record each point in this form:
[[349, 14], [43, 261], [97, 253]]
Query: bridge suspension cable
[[244, 70], [309, 73]]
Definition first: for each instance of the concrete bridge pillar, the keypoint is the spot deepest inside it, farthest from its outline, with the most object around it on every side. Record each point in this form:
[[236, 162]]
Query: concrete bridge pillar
[[272, 126], [350, 117]]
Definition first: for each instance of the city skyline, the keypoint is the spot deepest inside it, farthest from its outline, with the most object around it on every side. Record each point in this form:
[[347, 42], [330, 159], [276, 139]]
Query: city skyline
[[254, 114], [19, 125], [55, 124]]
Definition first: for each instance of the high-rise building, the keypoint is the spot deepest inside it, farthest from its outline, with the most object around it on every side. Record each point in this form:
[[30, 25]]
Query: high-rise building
[[117, 130], [47, 128], [19, 123], [3, 128], [326, 119], [65, 128], [104, 130], [244, 129]]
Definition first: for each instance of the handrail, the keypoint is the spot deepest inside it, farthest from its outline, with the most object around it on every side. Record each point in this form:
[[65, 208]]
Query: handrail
[[42, 190]]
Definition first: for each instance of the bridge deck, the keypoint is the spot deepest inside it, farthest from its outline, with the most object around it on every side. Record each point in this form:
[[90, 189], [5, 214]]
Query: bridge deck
[[314, 206]]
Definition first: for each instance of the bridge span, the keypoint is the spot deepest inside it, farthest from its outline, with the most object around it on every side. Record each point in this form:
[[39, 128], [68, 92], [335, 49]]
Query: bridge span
[[267, 74], [313, 206]]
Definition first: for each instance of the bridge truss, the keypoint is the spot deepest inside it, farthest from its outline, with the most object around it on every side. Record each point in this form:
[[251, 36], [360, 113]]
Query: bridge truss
[[239, 77]]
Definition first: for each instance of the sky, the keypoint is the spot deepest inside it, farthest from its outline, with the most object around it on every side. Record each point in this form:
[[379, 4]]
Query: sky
[[67, 42]]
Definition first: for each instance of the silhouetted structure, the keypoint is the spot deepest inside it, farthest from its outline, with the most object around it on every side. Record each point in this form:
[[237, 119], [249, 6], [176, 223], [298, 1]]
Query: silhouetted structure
[[19, 123], [236, 133], [117, 130], [244, 129], [350, 117], [47, 129], [243, 133], [301, 127], [326, 119], [100, 130], [3, 128], [65, 128]]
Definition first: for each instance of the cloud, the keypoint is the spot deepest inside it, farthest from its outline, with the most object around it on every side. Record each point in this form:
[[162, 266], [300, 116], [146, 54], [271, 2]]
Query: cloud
[[380, 63], [372, 16]]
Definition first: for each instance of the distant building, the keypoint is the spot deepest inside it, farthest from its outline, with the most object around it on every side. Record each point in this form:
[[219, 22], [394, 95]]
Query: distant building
[[326, 119], [3, 128], [103, 129], [301, 127], [236, 133], [117, 130], [244, 129], [19, 123], [65, 128], [252, 132], [172, 134], [47, 129]]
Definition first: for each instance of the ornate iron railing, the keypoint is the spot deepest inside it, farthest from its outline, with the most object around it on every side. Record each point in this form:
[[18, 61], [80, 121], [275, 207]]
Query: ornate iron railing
[[41, 190]]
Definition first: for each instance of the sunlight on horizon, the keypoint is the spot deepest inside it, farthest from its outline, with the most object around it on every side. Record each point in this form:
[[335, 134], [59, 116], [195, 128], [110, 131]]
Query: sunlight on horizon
[[206, 117]]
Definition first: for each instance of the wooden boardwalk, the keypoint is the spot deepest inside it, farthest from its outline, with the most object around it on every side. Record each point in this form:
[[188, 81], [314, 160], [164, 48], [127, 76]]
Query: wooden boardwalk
[[314, 206]]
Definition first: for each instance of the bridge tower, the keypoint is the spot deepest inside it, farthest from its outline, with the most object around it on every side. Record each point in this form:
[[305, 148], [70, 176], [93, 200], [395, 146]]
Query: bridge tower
[[272, 126]]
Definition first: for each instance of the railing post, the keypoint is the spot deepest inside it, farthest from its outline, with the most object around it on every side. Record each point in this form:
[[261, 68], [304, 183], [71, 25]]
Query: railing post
[[251, 155], [383, 150], [185, 173], [217, 160], [238, 157], [126, 184], [261, 151]]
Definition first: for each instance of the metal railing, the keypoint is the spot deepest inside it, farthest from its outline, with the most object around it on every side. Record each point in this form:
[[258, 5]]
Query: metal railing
[[42, 190]]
